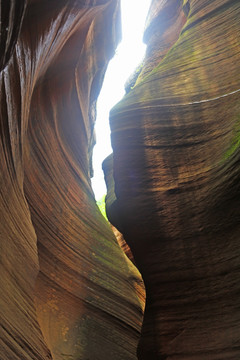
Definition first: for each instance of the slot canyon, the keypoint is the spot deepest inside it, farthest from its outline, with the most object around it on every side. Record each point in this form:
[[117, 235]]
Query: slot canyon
[[165, 284]]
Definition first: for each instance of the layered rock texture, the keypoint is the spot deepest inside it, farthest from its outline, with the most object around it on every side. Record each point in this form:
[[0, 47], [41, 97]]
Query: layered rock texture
[[67, 289], [176, 168]]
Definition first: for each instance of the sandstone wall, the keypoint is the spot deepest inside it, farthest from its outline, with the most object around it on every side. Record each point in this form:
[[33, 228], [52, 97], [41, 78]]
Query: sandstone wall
[[67, 289], [176, 168]]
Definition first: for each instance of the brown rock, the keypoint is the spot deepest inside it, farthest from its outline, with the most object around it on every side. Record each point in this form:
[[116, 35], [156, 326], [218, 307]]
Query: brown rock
[[85, 298], [175, 140], [12, 14]]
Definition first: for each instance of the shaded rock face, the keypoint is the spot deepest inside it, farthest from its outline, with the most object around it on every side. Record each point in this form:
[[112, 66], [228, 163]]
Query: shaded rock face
[[110, 202], [176, 168], [67, 289]]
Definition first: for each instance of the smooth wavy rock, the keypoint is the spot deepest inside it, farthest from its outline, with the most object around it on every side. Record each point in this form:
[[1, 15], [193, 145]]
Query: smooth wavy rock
[[86, 293], [176, 168]]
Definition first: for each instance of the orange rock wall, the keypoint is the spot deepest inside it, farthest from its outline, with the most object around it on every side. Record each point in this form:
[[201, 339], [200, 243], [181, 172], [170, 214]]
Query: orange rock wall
[[68, 289]]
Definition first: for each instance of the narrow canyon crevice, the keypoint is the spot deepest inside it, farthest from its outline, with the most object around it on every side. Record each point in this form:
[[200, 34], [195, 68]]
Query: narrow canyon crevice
[[68, 291]]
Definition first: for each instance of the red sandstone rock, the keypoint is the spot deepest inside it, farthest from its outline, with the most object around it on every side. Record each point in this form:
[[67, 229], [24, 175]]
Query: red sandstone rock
[[175, 140], [85, 298]]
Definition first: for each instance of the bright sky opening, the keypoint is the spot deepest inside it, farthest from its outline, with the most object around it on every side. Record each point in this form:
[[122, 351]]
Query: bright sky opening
[[128, 55]]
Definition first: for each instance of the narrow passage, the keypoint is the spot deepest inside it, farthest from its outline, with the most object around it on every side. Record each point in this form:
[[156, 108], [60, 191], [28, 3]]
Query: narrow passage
[[129, 54]]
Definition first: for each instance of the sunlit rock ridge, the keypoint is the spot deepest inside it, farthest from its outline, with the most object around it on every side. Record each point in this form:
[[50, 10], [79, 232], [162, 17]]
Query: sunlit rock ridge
[[67, 289], [176, 169]]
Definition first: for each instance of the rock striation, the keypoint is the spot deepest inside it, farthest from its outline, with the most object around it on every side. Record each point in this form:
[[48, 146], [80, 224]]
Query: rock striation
[[176, 169], [67, 289]]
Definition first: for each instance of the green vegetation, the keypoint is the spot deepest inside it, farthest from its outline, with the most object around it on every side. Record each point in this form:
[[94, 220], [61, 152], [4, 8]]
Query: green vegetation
[[102, 206], [131, 81]]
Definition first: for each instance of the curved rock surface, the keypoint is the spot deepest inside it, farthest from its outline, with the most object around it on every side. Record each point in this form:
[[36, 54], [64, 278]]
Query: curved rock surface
[[176, 167], [110, 199], [86, 293]]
